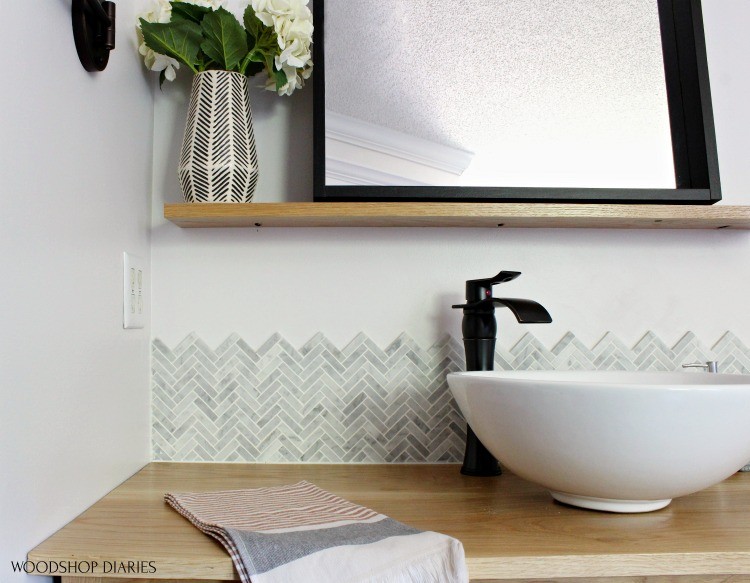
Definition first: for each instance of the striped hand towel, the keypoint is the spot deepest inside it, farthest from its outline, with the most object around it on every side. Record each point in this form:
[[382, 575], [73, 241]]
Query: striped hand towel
[[302, 534]]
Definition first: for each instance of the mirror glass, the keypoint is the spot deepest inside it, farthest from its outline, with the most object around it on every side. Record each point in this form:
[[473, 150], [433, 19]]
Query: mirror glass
[[512, 93]]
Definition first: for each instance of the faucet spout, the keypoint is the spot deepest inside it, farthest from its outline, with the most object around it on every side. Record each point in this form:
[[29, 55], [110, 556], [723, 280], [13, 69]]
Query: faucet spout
[[525, 311]]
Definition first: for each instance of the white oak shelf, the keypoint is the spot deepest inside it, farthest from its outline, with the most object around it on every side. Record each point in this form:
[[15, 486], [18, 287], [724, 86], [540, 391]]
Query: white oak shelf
[[437, 214]]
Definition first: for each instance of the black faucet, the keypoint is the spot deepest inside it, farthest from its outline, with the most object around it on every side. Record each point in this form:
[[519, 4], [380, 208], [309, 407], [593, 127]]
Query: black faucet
[[480, 332]]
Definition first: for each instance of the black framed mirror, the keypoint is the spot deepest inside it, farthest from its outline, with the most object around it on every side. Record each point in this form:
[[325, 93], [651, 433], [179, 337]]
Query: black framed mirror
[[513, 101]]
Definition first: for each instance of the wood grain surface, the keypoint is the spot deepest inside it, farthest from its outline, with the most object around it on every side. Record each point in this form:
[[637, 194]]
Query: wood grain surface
[[656, 579], [510, 529], [488, 215]]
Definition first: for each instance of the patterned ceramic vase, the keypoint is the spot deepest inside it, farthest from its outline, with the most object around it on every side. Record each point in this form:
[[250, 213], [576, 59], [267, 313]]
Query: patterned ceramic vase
[[218, 161]]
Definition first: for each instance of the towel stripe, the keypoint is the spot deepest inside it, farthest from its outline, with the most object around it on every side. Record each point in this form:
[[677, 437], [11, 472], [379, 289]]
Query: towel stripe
[[263, 552], [299, 532], [274, 508]]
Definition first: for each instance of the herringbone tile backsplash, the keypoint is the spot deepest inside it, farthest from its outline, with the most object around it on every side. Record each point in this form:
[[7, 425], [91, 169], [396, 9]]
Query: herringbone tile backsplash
[[361, 403]]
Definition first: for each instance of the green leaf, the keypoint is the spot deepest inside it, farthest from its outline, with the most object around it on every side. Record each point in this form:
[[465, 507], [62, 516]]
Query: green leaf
[[189, 12], [269, 62], [281, 79], [253, 63], [225, 38], [256, 56], [253, 25], [204, 63], [180, 40]]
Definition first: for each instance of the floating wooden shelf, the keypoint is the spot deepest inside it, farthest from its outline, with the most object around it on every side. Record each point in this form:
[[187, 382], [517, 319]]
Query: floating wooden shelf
[[429, 214]]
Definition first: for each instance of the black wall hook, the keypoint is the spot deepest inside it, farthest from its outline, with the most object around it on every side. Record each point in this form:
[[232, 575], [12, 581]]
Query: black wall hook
[[93, 32]]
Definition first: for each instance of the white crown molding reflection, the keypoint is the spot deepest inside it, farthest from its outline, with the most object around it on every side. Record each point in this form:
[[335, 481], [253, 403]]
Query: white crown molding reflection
[[348, 174], [354, 132]]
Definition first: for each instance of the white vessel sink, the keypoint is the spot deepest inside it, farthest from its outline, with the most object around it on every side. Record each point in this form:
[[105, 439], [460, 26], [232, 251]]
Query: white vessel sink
[[614, 441]]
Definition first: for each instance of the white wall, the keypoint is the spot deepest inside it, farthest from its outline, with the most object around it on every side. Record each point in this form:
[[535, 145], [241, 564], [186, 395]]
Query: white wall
[[75, 168], [386, 281]]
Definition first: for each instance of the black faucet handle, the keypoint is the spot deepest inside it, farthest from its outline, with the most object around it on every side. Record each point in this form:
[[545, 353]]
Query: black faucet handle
[[481, 289]]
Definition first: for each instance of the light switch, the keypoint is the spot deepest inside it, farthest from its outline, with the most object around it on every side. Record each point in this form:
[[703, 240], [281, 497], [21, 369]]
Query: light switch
[[134, 290]]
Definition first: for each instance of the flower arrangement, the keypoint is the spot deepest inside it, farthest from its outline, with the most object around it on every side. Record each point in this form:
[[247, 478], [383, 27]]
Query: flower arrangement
[[203, 35]]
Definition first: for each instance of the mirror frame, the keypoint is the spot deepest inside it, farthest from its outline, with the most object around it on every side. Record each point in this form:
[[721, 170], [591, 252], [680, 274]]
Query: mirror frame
[[690, 114]]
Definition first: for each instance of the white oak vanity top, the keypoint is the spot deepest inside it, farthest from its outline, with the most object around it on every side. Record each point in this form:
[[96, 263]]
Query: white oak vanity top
[[510, 529]]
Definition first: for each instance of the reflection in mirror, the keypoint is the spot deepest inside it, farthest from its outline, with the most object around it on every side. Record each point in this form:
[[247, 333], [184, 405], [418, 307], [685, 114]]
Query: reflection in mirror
[[516, 94], [525, 93]]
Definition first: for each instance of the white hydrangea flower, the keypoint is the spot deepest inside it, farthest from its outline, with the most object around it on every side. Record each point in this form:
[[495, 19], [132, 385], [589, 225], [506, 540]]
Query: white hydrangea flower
[[296, 54], [282, 15], [270, 8], [295, 77], [292, 22], [158, 62], [158, 11], [213, 4], [290, 31]]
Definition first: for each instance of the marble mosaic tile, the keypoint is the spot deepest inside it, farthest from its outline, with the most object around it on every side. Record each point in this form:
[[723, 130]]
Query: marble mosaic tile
[[360, 403]]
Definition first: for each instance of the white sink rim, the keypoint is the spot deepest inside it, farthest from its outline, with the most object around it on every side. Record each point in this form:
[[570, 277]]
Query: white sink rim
[[613, 378], [677, 397]]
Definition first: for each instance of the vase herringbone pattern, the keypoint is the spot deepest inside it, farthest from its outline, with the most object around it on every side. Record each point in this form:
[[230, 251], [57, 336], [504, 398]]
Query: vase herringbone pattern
[[361, 403], [218, 162]]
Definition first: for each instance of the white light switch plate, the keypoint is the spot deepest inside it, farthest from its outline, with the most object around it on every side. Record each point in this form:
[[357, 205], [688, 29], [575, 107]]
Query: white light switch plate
[[134, 291]]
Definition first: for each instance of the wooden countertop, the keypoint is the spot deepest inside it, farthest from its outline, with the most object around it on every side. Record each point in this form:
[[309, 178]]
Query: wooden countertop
[[510, 529]]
